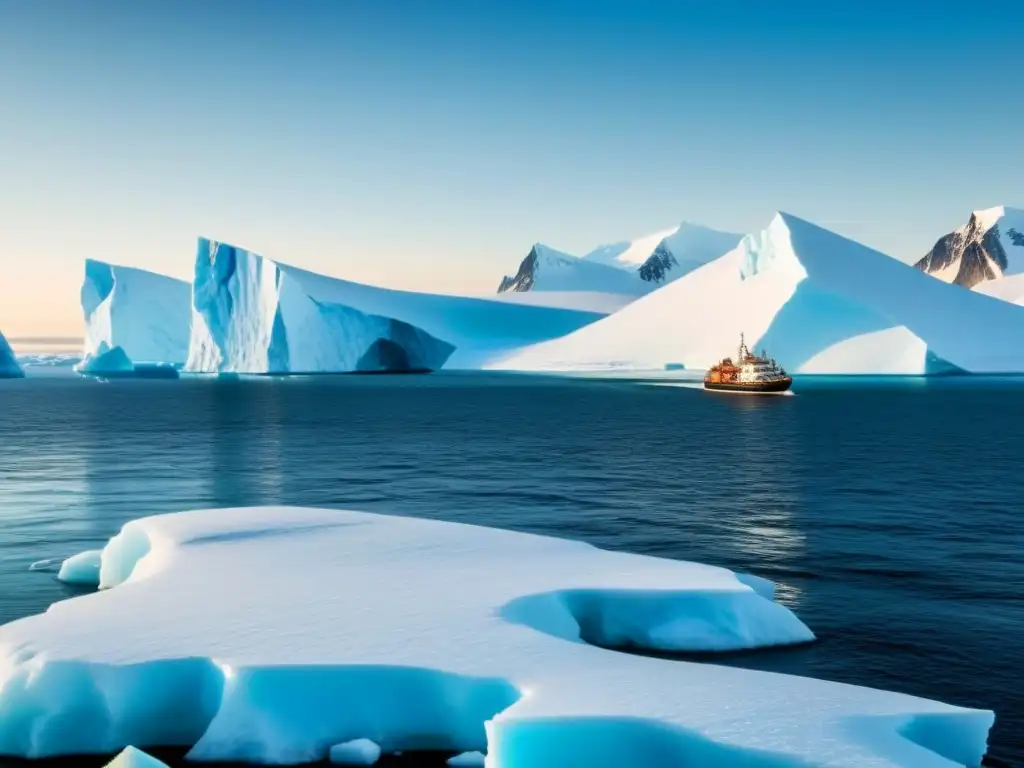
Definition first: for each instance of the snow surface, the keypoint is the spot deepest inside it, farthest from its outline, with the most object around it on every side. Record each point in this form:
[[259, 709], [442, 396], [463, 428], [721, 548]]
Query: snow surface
[[355, 752], [144, 313], [548, 269], [1009, 288], [271, 634], [83, 568], [131, 757], [9, 368], [255, 315], [628, 254], [692, 246], [818, 302], [586, 301], [105, 361]]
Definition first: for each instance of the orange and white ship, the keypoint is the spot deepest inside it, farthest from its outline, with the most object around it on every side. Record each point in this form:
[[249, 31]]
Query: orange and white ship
[[754, 374]]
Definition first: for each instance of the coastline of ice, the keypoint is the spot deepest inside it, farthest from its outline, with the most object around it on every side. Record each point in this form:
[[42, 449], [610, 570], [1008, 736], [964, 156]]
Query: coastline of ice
[[272, 634]]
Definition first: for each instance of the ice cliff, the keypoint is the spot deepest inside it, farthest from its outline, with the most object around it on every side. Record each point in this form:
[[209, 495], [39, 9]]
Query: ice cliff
[[255, 315], [145, 314], [274, 634]]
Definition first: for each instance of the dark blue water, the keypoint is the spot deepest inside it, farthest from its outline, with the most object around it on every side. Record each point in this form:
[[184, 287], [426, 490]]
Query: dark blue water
[[890, 513]]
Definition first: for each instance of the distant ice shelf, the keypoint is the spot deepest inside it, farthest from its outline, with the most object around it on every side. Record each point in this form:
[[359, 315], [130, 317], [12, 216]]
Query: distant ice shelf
[[273, 634]]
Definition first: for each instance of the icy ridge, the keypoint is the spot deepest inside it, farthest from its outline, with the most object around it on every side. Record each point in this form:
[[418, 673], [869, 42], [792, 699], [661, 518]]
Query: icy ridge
[[145, 314], [493, 634]]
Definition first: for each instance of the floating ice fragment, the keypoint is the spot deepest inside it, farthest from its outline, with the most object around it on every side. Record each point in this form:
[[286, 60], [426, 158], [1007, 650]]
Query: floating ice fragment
[[83, 568], [468, 760], [355, 752]]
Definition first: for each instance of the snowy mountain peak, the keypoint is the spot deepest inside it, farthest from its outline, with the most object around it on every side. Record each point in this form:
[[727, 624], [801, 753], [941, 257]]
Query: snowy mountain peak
[[548, 269], [989, 247]]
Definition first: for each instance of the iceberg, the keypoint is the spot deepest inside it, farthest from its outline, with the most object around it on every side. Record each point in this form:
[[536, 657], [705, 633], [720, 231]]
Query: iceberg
[[818, 302], [106, 361], [255, 315], [146, 314], [273, 634], [9, 367], [356, 752], [83, 568]]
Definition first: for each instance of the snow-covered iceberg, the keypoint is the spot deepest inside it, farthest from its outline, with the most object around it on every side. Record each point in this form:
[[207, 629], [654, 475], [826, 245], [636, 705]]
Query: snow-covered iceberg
[[145, 314], [818, 302], [273, 634], [106, 361], [9, 368], [255, 315], [987, 249]]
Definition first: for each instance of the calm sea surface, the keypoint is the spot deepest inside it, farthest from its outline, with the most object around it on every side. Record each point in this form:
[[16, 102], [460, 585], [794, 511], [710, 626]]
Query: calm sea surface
[[890, 513]]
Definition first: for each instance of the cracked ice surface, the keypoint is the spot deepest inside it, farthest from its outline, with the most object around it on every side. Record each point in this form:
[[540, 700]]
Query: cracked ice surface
[[271, 634]]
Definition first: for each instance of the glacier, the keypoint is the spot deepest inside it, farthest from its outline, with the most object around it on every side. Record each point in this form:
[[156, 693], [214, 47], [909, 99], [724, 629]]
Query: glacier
[[144, 313], [252, 314], [273, 634], [9, 367], [987, 249], [818, 302]]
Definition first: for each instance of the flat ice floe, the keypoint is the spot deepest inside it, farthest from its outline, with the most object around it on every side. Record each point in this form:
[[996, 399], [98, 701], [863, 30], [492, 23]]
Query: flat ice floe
[[271, 634]]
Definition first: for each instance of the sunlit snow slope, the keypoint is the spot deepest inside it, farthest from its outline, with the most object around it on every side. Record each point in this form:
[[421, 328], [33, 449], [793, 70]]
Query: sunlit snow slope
[[273, 634], [989, 248], [546, 269], [818, 302], [144, 313], [9, 368], [668, 255], [253, 314]]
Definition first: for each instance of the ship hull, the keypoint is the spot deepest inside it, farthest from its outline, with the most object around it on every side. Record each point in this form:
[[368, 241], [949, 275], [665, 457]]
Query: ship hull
[[752, 387]]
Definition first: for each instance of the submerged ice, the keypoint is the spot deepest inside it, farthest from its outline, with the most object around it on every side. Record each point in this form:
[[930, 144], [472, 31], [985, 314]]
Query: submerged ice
[[276, 634]]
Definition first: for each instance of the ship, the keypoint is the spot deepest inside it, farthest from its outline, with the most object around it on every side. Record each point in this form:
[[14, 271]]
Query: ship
[[749, 373]]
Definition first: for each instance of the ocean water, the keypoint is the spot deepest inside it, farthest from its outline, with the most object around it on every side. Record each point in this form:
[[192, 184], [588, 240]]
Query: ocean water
[[890, 512]]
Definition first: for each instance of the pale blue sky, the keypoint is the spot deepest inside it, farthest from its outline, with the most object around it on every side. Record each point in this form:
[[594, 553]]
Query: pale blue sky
[[427, 145]]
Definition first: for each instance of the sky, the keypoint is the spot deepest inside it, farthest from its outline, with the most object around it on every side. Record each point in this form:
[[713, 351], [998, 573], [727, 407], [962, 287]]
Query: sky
[[427, 144]]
